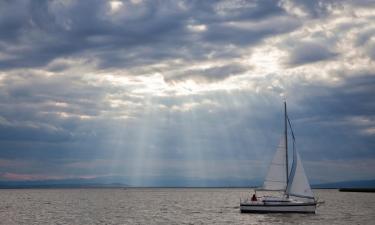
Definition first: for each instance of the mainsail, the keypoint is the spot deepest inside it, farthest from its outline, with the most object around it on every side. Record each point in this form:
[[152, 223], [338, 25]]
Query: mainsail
[[276, 176]]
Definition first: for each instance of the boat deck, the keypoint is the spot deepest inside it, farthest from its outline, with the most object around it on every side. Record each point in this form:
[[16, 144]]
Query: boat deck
[[277, 206]]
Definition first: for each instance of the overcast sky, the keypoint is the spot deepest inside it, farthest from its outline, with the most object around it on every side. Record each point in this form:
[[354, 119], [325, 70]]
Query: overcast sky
[[185, 91]]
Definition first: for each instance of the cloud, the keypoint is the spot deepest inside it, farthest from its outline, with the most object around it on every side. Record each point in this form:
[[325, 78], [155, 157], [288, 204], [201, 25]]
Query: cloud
[[212, 73], [315, 9], [342, 112], [147, 31], [309, 52]]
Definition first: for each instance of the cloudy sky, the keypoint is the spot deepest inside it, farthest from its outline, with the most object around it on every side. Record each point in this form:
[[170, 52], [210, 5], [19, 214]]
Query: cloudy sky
[[185, 91]]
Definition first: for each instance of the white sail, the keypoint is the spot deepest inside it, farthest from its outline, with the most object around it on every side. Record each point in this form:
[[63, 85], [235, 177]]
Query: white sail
[[276, 176], [298, 184]]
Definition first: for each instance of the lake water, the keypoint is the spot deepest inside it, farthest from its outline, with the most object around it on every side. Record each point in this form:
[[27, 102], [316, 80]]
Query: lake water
[[169, 206]]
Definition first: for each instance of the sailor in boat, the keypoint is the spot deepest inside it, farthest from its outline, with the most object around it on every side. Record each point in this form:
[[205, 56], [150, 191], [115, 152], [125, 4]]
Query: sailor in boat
[[254, 198]]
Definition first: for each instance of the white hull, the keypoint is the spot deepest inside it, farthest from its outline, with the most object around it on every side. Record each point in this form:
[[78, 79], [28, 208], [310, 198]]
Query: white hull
[[278, 208]]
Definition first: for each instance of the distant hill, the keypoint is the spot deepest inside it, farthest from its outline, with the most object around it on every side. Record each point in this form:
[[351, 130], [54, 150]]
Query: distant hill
[[348, 184], [64, 183], [114, 182]]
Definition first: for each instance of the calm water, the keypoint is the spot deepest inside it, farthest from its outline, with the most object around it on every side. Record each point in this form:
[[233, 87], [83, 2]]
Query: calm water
[[168, 206]]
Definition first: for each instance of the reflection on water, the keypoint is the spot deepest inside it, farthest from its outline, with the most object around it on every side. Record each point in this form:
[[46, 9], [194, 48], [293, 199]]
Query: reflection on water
[[168, 206]]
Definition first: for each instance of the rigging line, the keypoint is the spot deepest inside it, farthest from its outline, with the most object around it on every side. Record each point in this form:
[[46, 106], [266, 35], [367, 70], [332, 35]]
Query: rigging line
[[291, 129], [293, 169]]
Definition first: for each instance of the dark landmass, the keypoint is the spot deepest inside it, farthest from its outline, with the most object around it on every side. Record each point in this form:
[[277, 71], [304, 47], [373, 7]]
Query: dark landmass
[[50, 186], [358, 184], [64, 183], [357, 189], [112, 182]]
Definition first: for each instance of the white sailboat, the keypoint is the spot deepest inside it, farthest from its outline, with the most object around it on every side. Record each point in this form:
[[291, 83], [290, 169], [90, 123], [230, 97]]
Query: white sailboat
[[297, 195]]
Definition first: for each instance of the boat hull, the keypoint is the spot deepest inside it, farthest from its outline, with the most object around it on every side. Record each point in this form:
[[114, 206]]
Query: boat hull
[[278, 208]]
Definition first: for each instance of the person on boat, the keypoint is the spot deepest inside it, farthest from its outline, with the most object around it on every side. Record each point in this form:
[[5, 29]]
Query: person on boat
[[254, 198]]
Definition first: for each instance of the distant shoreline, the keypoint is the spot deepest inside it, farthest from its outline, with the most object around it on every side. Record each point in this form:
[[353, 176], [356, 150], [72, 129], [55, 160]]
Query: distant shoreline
[[370, 190], [161, 187], [116, 182]]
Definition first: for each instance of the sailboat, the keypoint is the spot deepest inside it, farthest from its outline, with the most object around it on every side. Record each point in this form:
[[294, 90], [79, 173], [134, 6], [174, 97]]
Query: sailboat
[[296, 194]]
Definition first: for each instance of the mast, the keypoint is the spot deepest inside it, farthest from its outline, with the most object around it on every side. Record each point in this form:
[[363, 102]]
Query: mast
[[286, 143]]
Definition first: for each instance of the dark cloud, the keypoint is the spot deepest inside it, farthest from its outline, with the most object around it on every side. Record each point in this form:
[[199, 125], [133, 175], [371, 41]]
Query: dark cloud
[[332, 121], [365, 36], [371, 51], [34, 132], [251, 34], [52, 29], [209, 74], [309, 52], [148, 32], [315, 8]]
